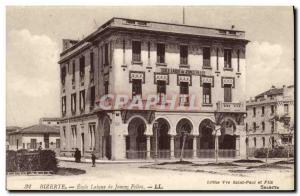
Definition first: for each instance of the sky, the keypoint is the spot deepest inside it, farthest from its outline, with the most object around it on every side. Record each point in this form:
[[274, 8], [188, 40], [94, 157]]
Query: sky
[[34, 38]]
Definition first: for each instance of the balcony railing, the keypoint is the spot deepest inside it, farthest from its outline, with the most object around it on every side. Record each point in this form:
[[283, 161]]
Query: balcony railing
[[223, 153], [184, 100], [230, 107]]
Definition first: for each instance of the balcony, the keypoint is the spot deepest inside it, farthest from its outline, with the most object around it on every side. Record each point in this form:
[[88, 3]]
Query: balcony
[[230, 107]]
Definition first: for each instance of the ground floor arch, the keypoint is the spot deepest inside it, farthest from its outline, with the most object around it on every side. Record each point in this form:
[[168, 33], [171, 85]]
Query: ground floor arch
[[106, 139], [136, 140], [184, 139], [160, 141]]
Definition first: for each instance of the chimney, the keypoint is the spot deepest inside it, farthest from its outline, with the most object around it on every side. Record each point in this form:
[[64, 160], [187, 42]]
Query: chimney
[[232, 27], [272, 87]]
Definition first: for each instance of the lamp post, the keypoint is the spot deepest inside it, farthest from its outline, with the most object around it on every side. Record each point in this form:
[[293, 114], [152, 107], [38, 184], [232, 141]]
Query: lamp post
[[155, 127]]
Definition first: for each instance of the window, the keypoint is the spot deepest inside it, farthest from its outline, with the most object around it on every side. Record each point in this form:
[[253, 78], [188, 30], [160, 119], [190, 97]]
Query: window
[[161, 53], [217, 58], [227, 93], [263, 110], [149, 46], [82, 100], [63, 105], [92, 98], [227, 58], [183, 54], [184, 93], [161, 90], [263, 126], [254, 141], [124, 48], [206, 57], [73, 72], [254, 126], [64, 136], [57, 143], [74, 136], [272, 126], [136, 51], [286, 108], [106, 57], [238, 60], [246, 127], [272, 109], [82, 66], [63, 75], [33, 143], [254, 111], [136, 87], [73, 103], [92, 66], [263, 141], [106, 84], [92, 130], [206, 93]]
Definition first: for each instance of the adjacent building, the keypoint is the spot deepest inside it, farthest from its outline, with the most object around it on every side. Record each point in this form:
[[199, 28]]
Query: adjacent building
[[52, 121], [270, 118], [200, 66], [45, 135]]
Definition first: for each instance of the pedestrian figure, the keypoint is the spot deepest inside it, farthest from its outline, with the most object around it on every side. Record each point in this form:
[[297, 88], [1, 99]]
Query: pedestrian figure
[[93, 159], [77, 155], [40, 148]]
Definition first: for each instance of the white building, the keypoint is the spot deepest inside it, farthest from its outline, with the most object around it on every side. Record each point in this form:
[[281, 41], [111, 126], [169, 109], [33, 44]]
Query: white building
[[32, 137], [141, 58], [270, 118]]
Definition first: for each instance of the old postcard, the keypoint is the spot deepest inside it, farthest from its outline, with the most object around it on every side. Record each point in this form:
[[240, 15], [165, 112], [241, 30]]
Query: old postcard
[[141, 98]]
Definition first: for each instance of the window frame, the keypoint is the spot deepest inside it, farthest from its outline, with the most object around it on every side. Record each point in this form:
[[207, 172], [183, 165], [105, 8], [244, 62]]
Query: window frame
[[206, 91], [136, 51]]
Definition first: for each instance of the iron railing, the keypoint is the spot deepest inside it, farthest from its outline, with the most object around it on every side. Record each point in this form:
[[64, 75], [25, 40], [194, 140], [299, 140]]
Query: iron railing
[[133, 154], [161, 154], [186, 153], [166, 154]]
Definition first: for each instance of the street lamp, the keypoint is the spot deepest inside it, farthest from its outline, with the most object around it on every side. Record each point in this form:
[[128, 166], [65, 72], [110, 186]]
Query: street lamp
[[155, 127]]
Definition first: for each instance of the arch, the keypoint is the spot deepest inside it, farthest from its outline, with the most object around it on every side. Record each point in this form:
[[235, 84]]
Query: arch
[[184, 124], [227, 140], [136, 116], [136, 142], [206, 137], [106, 138], [184, 131], [162, 137], [166, 119]]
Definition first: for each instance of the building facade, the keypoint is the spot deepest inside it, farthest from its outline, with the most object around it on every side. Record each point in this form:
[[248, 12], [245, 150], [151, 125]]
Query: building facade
[[202, 67], [33, 137], [270, 119]]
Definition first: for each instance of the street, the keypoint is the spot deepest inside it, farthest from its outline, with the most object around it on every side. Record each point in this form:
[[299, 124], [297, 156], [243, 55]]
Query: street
[[147, 176]]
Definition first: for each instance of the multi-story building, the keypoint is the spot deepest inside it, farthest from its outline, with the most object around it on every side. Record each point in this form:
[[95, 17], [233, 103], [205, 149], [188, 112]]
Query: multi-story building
[[203, 67], [270, 118]]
